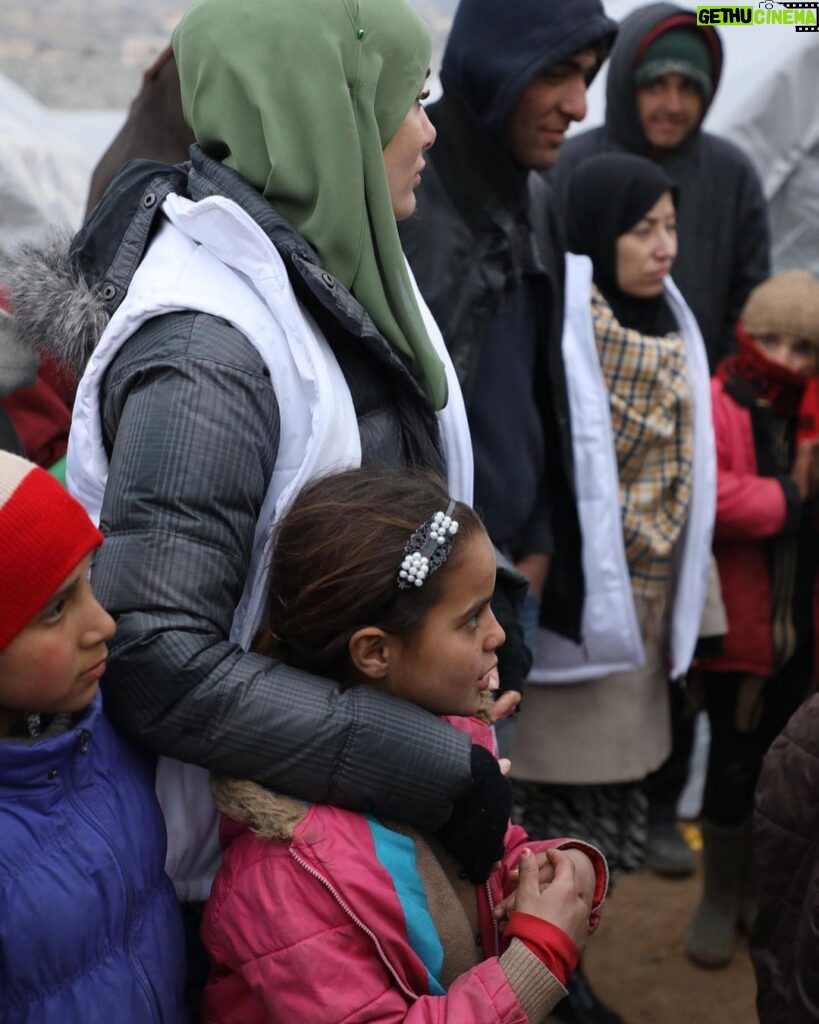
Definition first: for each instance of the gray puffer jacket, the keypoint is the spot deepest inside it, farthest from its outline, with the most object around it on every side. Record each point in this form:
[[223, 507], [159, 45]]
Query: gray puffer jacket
[[191, 427]]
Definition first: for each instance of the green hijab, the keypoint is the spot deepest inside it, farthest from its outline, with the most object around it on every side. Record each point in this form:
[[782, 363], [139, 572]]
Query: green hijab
[[304, 95]]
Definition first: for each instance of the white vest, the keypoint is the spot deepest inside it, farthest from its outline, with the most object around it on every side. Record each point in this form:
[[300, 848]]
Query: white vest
[[610, 633], [212, 257]]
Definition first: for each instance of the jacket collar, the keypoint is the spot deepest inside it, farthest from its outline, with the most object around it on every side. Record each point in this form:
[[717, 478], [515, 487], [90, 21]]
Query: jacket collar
[[38, 767], [64, 294]]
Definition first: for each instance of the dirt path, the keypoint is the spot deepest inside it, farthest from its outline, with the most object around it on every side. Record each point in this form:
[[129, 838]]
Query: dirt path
[[638, 965]]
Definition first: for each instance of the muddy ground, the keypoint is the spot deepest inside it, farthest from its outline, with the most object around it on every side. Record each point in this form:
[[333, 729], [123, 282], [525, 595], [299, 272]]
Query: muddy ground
[[636, 961]]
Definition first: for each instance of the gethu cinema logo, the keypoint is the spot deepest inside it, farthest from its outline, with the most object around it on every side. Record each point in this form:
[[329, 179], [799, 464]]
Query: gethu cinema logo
[[803, 16]]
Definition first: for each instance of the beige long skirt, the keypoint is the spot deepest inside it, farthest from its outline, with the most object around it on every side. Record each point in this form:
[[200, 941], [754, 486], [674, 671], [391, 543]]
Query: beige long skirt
[[613, 729]]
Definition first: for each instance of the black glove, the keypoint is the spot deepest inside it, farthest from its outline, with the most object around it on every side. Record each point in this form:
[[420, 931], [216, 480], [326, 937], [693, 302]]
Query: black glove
[[475, 830], [514, 657]]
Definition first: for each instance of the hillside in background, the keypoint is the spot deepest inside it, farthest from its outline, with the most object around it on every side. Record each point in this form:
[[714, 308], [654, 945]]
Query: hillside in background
[[91, 53]]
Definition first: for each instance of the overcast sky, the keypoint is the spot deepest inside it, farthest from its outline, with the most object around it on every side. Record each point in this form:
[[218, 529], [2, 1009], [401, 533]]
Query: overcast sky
[[91, 53]]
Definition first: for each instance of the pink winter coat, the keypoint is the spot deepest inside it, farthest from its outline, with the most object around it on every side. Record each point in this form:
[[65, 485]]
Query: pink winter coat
[[308, 921], [750, 510]]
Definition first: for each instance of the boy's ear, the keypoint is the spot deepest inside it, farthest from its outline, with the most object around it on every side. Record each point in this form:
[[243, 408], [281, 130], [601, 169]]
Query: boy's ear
[[369, 649]]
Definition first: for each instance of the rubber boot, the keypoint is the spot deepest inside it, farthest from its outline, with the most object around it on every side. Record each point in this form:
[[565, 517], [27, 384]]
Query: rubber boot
[[667, 852], [712, 934]]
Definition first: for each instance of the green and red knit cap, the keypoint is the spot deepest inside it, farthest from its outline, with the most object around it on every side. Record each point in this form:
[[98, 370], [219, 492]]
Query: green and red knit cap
[[683, 51], [44, 535]]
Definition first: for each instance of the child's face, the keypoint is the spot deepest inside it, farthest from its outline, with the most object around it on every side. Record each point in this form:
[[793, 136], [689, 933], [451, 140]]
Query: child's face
[[54, 665], [445, 666], [789, 350]]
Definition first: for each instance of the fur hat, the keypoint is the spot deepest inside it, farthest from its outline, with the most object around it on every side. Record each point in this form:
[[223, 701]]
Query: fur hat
[[44, 535], [785, 304]]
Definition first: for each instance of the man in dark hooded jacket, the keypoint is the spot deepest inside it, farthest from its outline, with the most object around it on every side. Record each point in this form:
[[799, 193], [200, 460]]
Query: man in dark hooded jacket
[[664, 72], [662, 78], [514, 77]]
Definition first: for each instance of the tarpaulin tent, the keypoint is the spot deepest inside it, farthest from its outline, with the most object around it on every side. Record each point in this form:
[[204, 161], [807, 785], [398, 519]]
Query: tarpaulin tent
[[46, 160]]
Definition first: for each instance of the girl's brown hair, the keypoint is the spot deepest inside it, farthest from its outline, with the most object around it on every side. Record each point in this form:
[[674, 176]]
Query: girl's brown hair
[[336, 556]]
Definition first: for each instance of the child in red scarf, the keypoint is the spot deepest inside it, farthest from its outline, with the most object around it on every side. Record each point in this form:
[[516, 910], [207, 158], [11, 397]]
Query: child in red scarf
[[766, 546]]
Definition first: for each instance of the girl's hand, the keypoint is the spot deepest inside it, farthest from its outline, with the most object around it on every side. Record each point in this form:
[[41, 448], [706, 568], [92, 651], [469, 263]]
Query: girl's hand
[[584, 871], [564, 902], [545, 874]]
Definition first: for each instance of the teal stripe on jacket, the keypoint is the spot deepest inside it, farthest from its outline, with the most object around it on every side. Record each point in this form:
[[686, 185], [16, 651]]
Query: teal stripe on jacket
[[396, 853]]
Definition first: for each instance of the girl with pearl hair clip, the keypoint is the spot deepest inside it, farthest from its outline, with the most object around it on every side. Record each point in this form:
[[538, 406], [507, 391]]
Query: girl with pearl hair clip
[[381, 579]]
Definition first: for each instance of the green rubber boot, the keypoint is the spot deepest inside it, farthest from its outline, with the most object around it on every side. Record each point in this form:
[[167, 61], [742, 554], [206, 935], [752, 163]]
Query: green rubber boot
[[712, 934]]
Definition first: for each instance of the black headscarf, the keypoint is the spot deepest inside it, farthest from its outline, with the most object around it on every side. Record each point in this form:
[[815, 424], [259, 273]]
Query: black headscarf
[[607, 195]]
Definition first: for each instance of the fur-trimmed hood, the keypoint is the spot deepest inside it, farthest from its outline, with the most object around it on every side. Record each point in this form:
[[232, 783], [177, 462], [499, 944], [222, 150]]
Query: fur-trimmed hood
[[63, 292], [268, 814], [55, 310]]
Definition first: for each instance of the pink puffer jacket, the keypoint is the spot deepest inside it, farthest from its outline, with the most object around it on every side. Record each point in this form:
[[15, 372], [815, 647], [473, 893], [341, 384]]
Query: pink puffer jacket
[[310, 920]]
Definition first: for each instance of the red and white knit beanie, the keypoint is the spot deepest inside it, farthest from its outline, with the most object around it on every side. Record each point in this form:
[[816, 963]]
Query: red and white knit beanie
[[44, 535]]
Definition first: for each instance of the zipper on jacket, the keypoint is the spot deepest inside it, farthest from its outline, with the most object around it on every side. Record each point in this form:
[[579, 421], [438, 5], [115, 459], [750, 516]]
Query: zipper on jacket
[[495, 925], [93, 823], [356, 920]]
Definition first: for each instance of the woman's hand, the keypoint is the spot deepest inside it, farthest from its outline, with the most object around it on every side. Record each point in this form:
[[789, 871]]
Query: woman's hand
[[565, 901]]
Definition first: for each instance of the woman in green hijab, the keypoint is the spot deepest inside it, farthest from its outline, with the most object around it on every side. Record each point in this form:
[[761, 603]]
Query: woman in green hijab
[[306, 101], [260, 326]]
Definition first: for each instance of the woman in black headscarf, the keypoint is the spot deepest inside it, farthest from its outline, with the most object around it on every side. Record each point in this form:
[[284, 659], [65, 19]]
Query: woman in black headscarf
[[638, 386]]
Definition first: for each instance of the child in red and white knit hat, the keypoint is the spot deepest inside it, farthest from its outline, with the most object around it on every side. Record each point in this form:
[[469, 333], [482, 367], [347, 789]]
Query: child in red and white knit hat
[[89, 924]]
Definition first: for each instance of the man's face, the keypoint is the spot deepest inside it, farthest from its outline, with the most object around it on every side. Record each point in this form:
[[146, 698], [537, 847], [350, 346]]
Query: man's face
[[670, 108], [546, 108]]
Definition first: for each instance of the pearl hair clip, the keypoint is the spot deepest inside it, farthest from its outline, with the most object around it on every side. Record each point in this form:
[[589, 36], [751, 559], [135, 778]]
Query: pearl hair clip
[[428, 548]]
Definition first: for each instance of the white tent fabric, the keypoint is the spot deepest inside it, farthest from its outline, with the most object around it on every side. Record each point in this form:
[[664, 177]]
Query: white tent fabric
[[46, 161]]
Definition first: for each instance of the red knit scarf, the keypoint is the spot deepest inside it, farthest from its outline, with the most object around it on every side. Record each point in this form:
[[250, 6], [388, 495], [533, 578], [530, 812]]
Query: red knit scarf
[[777, 385]]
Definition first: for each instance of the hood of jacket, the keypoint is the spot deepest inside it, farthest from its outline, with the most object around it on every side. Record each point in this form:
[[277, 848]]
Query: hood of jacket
[[62, 293], [495, 49], [636, 31]]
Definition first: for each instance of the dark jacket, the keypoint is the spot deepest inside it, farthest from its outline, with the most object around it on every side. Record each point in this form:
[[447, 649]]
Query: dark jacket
[[191, 424], [483, 270], [784, 943], [89, 924], [722, 219]]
